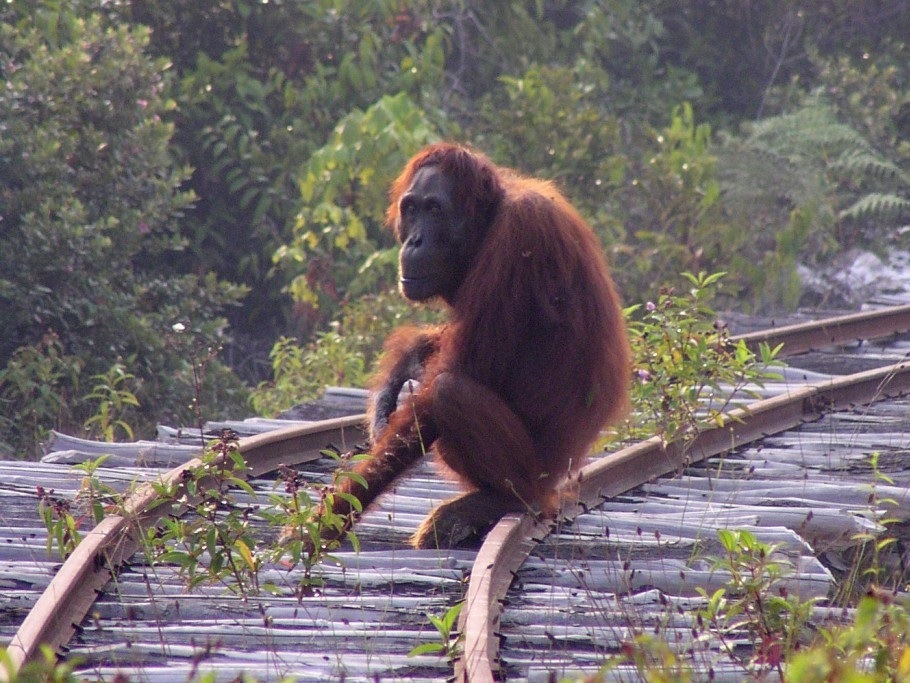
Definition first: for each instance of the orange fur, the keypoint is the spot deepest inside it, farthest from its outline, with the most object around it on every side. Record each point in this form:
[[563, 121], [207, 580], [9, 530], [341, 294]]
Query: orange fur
[[534, 361]]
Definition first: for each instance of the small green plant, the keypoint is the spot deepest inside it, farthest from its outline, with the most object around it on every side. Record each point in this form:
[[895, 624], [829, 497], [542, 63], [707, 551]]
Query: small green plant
[[655, 661], [113, 398], [218, 543], [449, 644], [872, 545], [874, 648], [61, 525], [218, 538], [755, 601], [685, 363], [311, 526], [94, 495], [63, 518], [46, 669]]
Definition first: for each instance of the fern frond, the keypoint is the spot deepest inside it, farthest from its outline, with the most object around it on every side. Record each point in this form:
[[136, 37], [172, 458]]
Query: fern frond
[[811, 131], [752, 174], [876, 205], [868, 162]]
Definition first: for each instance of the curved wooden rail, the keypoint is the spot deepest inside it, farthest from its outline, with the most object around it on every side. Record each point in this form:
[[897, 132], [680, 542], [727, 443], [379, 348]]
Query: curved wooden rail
[[802, 337], [69, 596]]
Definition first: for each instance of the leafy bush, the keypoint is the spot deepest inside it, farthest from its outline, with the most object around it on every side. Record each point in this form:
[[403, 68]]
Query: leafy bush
[[873, 648], [670, 207], [88, 203], [338, 241], [38, 390], [302, 372], [259, 87], [841, 172], [343, 356], [870, 95], [551, 122], [684, 364]]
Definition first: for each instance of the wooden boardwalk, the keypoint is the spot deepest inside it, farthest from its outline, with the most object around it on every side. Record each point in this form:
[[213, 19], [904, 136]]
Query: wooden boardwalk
[[632, 565]]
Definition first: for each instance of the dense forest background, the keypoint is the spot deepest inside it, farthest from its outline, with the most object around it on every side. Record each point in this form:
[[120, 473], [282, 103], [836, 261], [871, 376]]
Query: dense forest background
[[192, 191]]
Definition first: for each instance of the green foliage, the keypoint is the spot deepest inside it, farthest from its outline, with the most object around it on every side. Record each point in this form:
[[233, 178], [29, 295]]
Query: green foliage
[[301, 373], [810, 162], [131, 185], [751, 57], [311, 526], [653, 658], [585, 120], [685, 365], [238, 133], [63, 518], [870, 95], [754, 607], [369, 319], [344, 188], [874, 648], [113, 397], [217, 539], [876, 206], [755, 601], [797, 179], [331, 363], [450, 644], [94, 495], [872, 551], [88, 201], [628, 40], [260, 86], [672, 208], [215, 542], [851, 168], [61, 525], [88, 185], [551, 122], [869, 645], [784, 231], [345, 355], [288, 385], [45, 669], [38, 388]]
